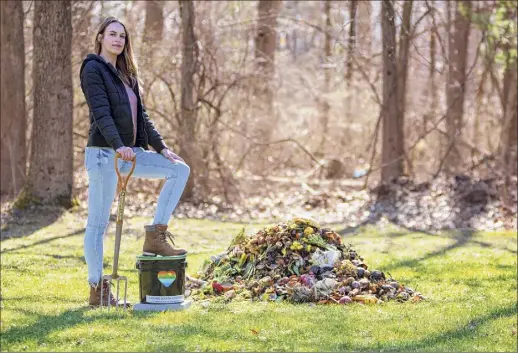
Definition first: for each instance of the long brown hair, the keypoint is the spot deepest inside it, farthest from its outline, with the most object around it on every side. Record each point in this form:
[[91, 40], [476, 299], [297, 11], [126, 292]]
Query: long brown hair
[[126, 62]]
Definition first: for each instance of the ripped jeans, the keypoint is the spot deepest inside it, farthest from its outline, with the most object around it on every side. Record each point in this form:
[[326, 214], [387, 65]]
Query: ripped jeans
[[102, 184]]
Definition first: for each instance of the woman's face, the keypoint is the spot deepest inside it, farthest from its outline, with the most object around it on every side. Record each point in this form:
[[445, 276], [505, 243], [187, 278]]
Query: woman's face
[[114, 38]]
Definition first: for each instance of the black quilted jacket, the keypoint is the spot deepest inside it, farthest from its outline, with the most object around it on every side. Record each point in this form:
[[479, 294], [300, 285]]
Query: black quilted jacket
[[111, 124]]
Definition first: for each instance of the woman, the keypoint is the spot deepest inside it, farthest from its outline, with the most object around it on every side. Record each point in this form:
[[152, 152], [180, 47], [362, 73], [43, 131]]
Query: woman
[[119, 123]]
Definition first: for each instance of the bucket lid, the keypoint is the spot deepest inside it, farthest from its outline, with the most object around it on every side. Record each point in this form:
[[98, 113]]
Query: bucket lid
[[160, 258]]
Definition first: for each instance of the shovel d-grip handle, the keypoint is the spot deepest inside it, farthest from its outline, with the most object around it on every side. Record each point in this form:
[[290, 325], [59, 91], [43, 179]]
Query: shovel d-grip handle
[[121, 186], [121, 181]]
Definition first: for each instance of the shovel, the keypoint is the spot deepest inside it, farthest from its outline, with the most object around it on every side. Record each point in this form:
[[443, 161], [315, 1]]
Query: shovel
[[121, 189]]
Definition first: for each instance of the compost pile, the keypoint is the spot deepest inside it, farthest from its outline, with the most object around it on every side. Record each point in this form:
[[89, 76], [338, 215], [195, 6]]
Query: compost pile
[[297, 261]]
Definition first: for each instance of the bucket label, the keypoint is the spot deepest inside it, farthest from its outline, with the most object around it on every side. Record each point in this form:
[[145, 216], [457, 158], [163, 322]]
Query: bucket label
[[167, 277], [166, 299]]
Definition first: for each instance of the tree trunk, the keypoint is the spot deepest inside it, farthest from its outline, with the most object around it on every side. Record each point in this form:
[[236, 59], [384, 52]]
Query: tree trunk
[[455, 90], [13, 158], [351, 42], [189, 147], [292, 41], [154, 23], [81, 17], [404, 46], [403, 50], [363, 28], [432, 84], [263, 109], [509, 137], [325, 107], [266, 38], [50, 177], [392, 145], [151, 39]]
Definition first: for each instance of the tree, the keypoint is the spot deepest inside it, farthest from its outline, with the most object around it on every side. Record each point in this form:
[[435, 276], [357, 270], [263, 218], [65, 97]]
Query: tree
[[456, 83], [154, 23], [50, 176], [393, 137], [153, 32], [265, 46], [363, 28], [266, 42], [431, 88], [189, 148], [12, 105], [351, 44], [82, 12], [509, 136], [325, 106]]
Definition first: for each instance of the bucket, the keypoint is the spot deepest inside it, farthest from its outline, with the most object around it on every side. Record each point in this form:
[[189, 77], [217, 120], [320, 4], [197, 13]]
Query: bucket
[[161, 279]]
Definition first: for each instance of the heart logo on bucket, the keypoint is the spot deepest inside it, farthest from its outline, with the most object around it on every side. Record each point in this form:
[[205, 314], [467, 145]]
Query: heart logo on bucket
[[167, 277]]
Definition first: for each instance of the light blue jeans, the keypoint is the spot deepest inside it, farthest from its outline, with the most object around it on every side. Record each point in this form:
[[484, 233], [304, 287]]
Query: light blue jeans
[[102, 184]]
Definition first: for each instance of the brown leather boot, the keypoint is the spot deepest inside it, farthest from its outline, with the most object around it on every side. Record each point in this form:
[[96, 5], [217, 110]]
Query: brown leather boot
[[95, 296], [156, 242]]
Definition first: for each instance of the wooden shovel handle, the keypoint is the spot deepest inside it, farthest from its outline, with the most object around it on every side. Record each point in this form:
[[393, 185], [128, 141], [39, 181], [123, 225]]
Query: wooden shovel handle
[[123, 182]]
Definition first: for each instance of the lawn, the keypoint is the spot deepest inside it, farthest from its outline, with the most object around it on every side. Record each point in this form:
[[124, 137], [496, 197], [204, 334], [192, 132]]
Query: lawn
[[468, 278]]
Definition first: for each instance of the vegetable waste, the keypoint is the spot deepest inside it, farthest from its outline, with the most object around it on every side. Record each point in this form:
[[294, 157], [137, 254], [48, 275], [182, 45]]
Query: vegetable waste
[[296, 261]]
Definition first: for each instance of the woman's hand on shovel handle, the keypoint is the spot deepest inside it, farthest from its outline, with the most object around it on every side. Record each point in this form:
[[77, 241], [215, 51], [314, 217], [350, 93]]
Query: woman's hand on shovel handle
[[126, 153]]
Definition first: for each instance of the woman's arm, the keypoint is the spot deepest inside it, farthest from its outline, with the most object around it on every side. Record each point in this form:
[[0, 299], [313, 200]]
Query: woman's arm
[[95, 93], [155, 139]]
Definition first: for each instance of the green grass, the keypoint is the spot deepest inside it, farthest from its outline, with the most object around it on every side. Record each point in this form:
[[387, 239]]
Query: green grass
[[470, 280]]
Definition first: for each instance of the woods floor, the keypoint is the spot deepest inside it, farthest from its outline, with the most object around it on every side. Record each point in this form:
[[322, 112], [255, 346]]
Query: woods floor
[[469, 279]]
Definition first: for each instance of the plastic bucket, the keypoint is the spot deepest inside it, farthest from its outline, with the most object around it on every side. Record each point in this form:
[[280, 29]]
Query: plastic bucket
[[161, 279]]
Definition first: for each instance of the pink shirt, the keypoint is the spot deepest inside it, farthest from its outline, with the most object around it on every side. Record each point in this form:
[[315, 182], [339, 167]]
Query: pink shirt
[[133, 103]]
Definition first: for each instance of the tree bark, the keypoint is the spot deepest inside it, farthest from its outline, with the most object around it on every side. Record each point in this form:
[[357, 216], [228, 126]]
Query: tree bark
[[404, 46], [351, 44], [198, 183], [364, 28], [266, 38], [13, 159], [432, 84], [81, 17], [325, 107], [455, 90], [509, 137], [403, 61], [151, 39], [50, 177], [263, 109], [154, 23], [392, 145]]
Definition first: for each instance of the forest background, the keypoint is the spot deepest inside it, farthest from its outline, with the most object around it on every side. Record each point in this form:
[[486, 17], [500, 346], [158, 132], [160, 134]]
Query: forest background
[[346, 111]]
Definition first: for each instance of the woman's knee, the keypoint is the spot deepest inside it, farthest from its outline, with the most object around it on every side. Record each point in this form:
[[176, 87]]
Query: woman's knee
[[182, 169], [185, 169]]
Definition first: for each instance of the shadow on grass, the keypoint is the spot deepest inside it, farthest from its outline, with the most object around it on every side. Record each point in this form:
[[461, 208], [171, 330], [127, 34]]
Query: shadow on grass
[[45, 241], [461, 239], [348, 231], [31, 298], [47, 324], [22, 223], [209, 331], [460, 333]]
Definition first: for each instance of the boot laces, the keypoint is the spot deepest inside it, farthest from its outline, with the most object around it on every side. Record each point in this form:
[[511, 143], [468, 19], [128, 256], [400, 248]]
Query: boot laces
[[167, 234]]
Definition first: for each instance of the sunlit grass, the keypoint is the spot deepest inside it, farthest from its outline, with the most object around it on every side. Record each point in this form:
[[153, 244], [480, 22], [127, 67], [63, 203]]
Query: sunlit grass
[[468, 278]]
